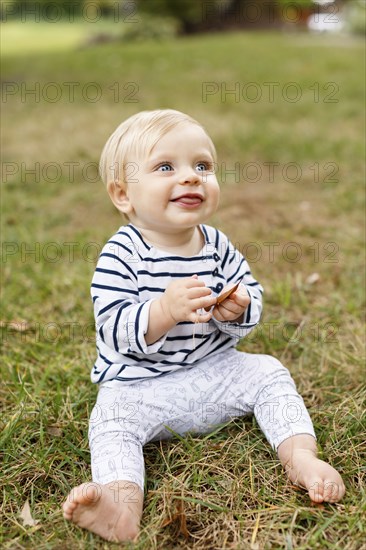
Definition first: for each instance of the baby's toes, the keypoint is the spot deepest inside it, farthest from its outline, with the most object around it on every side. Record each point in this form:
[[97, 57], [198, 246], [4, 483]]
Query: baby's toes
[[333, 491], [68, 508], [316, 491]]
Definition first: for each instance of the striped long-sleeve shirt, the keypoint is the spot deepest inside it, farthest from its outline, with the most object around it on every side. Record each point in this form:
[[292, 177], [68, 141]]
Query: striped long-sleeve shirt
[[130, 274]]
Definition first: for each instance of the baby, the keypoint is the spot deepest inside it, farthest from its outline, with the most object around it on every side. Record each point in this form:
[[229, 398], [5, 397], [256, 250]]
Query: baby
[[167, 362]]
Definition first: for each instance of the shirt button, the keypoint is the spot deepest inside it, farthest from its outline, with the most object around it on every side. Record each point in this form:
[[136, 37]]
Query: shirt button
[[219, 287], [216, 257], [215, 272]]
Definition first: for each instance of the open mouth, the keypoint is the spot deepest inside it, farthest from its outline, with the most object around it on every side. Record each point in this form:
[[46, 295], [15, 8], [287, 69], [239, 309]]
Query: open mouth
[[190, 199]]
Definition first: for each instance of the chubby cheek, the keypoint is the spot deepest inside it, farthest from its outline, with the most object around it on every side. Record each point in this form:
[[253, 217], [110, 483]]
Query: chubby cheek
[[215, 196]]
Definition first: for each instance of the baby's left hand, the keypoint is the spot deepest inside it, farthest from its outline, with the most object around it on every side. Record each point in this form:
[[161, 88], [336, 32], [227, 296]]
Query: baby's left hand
[[234, 306]]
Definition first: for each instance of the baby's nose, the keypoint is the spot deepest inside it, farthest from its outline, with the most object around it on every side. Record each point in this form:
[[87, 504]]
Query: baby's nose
[[189, 176]]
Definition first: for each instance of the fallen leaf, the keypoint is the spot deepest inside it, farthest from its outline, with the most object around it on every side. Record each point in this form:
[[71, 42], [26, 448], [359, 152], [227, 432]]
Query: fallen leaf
[[54, 430], [221, 297], [26, 516], [225, 483], [180, 517], [183, 519], [312, 279]]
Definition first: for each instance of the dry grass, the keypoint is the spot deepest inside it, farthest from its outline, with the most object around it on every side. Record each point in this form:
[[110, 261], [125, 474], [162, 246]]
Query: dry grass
[[224, 490]]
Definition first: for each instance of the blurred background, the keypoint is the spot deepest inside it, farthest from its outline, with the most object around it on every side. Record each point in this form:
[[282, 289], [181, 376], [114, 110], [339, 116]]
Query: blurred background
[[142, 19], [154, 18]]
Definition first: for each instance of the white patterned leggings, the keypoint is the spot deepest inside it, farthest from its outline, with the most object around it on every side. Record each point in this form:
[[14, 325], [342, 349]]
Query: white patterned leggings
[[194, 399]]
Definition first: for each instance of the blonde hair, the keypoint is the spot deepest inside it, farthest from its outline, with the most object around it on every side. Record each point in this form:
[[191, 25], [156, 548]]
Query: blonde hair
[[136, 137]]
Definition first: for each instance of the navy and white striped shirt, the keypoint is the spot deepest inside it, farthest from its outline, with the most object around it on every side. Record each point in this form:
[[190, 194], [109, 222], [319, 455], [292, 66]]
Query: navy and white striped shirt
[[130, 274]]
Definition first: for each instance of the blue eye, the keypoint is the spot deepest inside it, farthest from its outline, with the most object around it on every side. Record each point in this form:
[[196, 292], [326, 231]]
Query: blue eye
[[204, 166], [166, 167]]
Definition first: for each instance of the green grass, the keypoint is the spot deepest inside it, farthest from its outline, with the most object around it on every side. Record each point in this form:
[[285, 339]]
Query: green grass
[[228, 486], [36, 37]]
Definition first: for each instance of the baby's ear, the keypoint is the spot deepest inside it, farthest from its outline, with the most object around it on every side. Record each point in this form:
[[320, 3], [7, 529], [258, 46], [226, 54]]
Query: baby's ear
[[119, 196]]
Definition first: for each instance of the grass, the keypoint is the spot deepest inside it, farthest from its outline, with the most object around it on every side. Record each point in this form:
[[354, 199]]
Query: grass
[[227, 487], [63, 36]]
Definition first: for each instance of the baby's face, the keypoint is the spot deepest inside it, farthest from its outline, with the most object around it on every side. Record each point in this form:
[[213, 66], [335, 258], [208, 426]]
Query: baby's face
[[175, 187]]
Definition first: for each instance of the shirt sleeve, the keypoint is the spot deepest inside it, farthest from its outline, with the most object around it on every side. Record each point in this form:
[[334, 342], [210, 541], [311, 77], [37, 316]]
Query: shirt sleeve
[[235, 268], [121, 319]]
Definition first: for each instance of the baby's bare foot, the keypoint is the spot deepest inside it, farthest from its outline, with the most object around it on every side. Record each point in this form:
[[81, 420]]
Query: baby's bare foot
[[320, 479], [112, 511]]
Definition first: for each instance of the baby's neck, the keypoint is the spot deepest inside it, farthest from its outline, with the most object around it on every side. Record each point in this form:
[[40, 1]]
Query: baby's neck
[[185, 243]]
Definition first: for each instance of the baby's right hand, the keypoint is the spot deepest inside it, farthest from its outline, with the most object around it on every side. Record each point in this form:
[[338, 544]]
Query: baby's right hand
[[184, 297]]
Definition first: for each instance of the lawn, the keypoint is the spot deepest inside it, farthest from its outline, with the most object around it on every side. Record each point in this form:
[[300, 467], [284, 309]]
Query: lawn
[[286, 114]]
